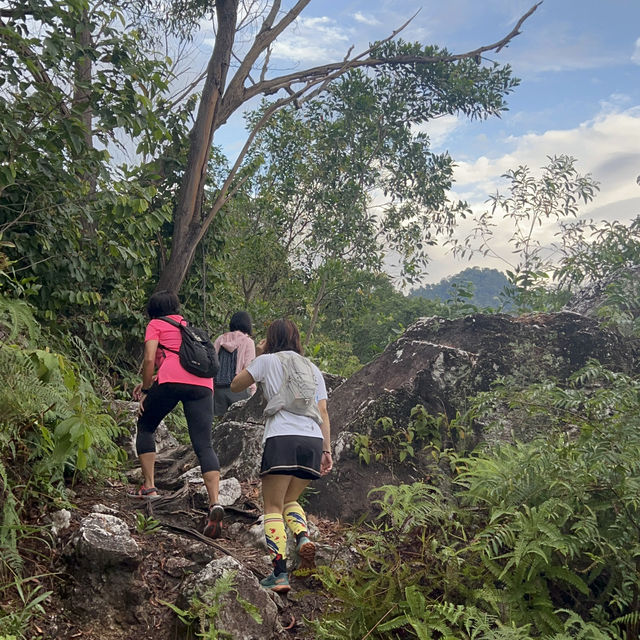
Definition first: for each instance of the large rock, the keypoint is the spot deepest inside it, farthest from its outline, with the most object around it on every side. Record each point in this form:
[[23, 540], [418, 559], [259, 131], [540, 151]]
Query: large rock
[[439, 363], [104, 541], [232, 606]]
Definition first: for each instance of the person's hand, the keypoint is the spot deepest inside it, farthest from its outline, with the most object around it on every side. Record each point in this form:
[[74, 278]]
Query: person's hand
[[143, 397], [137, 392], [326, 464], [261, 346]]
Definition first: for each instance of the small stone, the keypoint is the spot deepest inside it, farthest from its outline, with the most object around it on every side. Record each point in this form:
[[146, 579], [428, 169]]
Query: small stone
[[60, 521]]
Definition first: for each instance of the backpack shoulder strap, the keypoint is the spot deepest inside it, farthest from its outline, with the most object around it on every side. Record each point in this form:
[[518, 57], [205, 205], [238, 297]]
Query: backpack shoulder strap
[[175, 323]]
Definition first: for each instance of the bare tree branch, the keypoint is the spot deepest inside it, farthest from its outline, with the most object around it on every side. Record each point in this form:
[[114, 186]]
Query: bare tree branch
[[221, 100], [275, 84], [267, 34]]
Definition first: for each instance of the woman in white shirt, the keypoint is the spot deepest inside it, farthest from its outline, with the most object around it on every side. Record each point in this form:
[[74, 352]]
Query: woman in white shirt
[[296, 450]]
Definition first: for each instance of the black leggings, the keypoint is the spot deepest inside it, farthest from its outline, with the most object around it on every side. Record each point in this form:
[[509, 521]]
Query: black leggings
[[197, 403]]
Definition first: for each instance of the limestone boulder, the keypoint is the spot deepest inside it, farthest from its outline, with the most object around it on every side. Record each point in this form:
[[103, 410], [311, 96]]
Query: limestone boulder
[[104, 541], [234, 609], [438, 363]]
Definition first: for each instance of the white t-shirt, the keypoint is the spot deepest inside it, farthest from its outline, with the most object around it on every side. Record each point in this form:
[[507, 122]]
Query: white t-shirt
[[267, 369]]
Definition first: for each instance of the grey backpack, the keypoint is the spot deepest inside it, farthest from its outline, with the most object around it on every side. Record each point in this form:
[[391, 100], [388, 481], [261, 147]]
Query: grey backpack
[[297, 394]]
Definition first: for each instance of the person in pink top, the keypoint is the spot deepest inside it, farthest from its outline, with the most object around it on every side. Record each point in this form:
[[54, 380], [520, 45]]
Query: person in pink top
[[159, 394], [237, 345]]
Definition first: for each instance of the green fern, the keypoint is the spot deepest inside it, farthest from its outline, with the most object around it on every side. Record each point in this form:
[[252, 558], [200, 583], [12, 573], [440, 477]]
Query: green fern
[[16, 316]]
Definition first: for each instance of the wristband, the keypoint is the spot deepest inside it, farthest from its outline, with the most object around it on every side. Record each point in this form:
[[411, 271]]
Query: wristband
[[329, 452], [145, 390]]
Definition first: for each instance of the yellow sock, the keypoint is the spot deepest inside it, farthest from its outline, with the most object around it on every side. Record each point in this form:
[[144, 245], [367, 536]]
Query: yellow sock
[[295, 517], [276, 535]]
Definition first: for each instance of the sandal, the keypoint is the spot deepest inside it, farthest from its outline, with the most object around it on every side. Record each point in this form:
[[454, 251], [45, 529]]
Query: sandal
[[144, 492]]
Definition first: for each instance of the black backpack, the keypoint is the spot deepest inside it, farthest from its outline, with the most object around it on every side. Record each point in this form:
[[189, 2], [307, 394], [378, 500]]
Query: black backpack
[[227, 370], [197, 354]]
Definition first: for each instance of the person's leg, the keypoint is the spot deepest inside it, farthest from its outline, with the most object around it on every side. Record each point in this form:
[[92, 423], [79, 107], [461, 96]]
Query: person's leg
[[198, 410], [158, 403], [212, 484], [296, 520], [274, 489], [148, 464]]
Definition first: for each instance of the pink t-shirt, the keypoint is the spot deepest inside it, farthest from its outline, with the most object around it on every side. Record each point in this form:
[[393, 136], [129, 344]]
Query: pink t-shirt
[[167, 362]]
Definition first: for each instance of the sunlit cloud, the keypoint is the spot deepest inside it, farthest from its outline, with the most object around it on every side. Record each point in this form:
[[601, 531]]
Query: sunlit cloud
[[312, 40], [358, 16], [440, 129], [605, 147]]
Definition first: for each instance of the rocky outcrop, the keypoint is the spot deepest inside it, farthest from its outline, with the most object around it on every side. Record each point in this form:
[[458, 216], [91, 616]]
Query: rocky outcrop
[[244, 610], [439, 363], [103, 541]]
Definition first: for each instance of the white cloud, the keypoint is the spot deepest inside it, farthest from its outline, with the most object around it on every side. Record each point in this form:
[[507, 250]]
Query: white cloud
[[439, 129], [606, 147], [635, 56], [312, 40], [358, 16]]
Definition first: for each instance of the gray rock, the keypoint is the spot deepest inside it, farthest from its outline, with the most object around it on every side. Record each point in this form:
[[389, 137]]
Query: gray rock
[[104, 541], [439, 363], [228, 493], [239, 448], [60, 520], [232, 607], [101, 508]]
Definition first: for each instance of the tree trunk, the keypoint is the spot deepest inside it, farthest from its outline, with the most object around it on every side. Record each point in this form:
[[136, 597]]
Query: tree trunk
[[188, 213], [82, 108], [316, 310]]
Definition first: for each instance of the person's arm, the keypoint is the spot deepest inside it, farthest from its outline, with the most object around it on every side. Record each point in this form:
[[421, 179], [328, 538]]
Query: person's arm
[[326, 463], [149, 363], [243, 380], [148, 369]]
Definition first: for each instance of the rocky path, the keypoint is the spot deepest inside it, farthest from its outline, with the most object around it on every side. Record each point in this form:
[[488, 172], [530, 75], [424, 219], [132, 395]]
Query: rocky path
[[123, 565]]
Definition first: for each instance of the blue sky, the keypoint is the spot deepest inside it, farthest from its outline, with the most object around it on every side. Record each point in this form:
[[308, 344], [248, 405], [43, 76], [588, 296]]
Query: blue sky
[[579, 65]]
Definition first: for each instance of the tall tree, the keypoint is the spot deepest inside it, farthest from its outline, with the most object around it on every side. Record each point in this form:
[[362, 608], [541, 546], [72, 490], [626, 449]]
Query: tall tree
[[76, 82], [223, 95]]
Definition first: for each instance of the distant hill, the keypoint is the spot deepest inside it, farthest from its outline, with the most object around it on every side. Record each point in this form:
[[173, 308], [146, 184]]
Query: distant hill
[[487, 285]]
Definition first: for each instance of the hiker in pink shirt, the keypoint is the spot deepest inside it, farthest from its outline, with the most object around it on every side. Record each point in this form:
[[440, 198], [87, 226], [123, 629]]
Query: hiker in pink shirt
[[159, 394]]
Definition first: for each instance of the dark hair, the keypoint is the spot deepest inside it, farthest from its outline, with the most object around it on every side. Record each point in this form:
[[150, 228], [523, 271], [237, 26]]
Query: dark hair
[[240, 321], [163, 303], [283, 335]]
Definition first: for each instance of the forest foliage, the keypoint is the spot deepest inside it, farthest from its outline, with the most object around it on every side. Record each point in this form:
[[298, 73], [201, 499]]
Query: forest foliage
[[94, 146]]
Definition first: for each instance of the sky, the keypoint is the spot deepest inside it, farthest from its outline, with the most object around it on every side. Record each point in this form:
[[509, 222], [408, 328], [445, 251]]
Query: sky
[[579, 66]]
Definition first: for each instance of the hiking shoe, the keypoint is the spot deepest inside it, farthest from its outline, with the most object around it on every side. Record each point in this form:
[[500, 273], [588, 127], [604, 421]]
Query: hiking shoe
[[278, 583], [307, 553], [213, 528]]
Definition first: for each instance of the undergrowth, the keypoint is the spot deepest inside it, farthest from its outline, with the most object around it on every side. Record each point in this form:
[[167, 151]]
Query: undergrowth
[[53, 431], [539, 539]]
